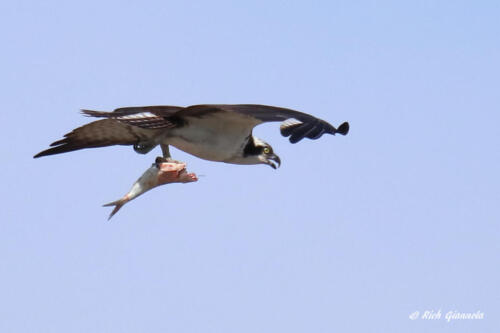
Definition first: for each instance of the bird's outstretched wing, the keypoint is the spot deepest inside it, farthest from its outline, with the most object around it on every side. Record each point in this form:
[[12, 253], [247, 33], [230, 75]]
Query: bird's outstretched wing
[[123, 126], [139, 126], [296, 125]]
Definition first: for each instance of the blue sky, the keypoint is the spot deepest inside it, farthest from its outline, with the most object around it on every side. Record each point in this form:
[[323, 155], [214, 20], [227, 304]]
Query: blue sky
[[352, 233]]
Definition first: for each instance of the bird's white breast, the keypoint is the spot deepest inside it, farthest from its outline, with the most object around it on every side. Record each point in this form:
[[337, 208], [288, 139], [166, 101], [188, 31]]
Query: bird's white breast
[[214, 138]]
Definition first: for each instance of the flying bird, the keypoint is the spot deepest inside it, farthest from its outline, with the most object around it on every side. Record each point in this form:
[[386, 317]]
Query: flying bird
[[215, 132]]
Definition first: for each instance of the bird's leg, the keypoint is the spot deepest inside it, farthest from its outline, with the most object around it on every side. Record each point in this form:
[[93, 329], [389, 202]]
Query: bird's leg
[[166, 156]]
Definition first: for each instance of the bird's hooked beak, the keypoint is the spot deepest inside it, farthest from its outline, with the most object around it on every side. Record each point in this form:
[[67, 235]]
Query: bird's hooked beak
[[273, 158]]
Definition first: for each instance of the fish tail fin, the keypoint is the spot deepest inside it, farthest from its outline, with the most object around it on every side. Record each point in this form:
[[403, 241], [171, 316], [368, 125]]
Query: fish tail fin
[[118, 204]]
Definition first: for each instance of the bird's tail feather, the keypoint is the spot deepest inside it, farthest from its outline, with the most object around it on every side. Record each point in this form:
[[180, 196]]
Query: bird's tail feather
[[100, 133]]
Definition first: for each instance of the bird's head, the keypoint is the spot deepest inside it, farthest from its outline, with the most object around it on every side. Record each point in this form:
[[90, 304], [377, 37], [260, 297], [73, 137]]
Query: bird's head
[[258, 151]]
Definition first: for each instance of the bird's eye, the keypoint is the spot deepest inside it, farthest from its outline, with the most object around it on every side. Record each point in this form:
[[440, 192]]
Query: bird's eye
[[267, 150]]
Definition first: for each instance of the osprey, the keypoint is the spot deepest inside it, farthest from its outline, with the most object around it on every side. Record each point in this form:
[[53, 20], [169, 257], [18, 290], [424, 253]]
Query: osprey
[[221, 132]]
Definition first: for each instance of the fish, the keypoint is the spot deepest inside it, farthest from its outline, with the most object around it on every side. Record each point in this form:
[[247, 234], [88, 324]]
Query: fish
[[160, 173]]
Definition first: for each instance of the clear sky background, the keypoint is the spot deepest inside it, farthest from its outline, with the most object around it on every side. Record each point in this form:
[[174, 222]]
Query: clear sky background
[[351, 234]]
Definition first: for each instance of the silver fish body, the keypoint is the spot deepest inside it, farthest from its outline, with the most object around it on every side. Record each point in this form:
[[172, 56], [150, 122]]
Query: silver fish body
[[158, 174]]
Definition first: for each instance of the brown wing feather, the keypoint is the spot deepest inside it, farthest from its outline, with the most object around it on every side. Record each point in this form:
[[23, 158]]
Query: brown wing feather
[[100, 133], [151, 117]]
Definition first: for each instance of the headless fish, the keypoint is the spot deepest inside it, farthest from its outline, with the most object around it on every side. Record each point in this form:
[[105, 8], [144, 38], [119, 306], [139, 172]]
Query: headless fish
[[158, 174]]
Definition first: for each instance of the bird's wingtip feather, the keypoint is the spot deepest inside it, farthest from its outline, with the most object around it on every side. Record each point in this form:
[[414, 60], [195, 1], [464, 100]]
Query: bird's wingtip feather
[[343, 128]]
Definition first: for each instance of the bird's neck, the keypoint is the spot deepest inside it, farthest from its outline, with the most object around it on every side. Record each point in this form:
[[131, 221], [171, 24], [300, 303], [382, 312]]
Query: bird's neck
[[250, 148]]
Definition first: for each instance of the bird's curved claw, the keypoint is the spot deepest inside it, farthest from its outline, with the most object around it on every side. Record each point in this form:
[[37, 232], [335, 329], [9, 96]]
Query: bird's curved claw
[[159, 160]]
